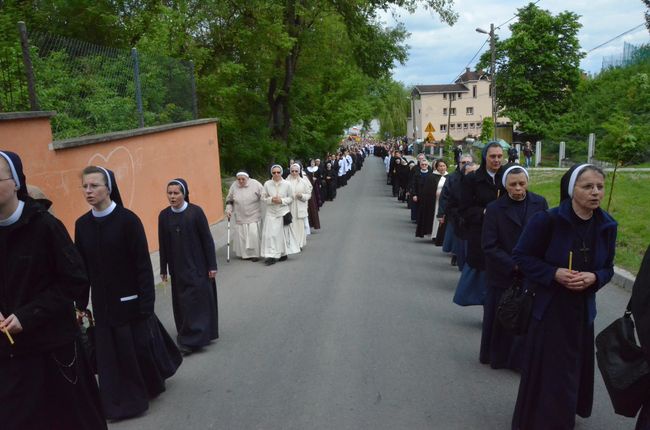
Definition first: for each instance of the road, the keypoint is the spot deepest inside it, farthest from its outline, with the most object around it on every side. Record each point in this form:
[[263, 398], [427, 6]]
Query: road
[[357, 332]]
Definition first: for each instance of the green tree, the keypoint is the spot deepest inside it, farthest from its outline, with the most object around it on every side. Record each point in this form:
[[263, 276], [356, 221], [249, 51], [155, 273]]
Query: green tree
[[538, 67], [487, 130]]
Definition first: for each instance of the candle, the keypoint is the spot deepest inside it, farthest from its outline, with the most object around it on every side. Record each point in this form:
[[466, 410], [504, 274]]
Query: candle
[[570, 259], [11, 339]]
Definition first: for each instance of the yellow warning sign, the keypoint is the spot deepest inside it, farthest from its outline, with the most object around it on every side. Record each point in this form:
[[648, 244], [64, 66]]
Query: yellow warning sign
[[429, 128], [430, 136]]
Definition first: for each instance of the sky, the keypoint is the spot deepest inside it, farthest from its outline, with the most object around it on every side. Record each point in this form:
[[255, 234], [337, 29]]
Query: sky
[[438, 53]]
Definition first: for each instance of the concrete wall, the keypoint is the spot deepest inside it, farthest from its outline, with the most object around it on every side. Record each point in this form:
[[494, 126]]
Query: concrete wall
[[143, 160]]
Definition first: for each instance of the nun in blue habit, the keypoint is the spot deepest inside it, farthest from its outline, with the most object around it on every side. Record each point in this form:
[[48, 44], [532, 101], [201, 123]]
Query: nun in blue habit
[[504, 220], [477, 189], [187, 251], [566, 254], [134, 352]]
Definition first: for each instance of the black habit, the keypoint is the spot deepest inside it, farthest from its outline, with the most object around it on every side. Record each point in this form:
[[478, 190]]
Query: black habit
[[187, 248], [426, 188], [134, 352], [45, 380]]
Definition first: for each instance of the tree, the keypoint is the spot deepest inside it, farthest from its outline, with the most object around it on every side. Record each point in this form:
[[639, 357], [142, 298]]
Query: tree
[[537, 68], [647, 14], [487, 130]]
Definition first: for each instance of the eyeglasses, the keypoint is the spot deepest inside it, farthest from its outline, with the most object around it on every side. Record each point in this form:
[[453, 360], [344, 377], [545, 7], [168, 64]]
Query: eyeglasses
[[93, 187], [276, 173], [295, 171]]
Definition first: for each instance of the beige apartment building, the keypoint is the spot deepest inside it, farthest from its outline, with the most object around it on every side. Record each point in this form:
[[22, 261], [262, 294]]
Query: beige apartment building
[[462, 104]]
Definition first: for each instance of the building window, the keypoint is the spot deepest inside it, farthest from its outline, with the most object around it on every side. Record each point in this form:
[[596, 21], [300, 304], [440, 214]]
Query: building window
[[443, 127], [444, 96], [444, 111], [452, 126], [469, 111], [472, 125], [453, 111], [460, 95], [474, 91], [465, 126]]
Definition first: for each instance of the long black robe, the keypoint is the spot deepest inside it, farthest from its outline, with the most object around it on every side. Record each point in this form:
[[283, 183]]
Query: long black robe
[[640, 303], [134, 352], [45, 380], [427, 204], [187, 248]]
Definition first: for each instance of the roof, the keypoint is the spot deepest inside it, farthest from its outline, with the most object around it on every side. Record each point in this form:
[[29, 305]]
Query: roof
[[446, 88], [469, 76]]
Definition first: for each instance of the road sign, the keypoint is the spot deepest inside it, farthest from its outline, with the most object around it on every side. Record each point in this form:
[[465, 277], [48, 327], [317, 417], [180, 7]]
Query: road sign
[[429, 128], [430, 137]]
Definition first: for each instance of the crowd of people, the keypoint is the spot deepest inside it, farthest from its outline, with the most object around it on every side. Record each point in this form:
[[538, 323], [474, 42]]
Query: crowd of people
[[273, 220], [499, 235], [80, 343]]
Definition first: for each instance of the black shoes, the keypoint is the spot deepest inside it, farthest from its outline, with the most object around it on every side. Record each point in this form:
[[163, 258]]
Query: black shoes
[[283, 258], [454, 260], [270, 261], [255, 259]]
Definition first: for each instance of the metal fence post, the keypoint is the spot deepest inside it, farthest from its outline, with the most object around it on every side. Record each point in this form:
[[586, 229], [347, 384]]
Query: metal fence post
[[195, 109], [29, 69], [138, 89]]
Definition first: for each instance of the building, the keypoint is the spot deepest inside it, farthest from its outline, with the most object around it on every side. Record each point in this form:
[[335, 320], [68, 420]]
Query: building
[[461, 106]]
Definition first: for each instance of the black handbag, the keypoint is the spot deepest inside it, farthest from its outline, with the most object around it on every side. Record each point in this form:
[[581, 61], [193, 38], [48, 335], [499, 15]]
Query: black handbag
[[622, 364], [515, 307], [287, 218]]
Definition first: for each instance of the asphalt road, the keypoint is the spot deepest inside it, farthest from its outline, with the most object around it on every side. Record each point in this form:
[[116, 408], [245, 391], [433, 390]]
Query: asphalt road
[[356, 332]]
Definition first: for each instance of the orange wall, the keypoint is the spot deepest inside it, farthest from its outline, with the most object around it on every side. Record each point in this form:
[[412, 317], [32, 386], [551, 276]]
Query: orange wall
[[142, 164]]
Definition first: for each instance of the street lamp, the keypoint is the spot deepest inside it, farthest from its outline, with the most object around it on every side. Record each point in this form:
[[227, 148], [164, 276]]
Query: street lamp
[[493, 76]]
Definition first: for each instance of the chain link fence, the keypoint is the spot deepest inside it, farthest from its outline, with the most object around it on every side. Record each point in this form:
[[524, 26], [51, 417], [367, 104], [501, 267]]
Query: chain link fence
[[95, 89], [632, 54]]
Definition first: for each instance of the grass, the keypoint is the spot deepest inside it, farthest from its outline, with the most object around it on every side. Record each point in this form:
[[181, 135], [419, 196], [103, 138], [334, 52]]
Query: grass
[[630, 207]]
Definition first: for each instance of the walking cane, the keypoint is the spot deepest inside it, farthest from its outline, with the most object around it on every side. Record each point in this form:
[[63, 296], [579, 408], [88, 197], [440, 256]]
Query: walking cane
[[228, 248]]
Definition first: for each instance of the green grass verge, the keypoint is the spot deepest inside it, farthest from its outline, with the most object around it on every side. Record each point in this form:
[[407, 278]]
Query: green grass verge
[[630, 207]]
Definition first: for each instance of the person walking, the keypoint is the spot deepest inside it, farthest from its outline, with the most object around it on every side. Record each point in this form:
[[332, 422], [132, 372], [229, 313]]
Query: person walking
[[134, 352], [301, 190], [278, 239], [566, 255], [503, 223], [244, 201], [45, 378], [187, 254]]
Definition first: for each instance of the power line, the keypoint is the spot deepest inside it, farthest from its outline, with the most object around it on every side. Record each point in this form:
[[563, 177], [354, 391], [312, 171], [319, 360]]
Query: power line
[[616, 37], [470, 61], [479, 50]]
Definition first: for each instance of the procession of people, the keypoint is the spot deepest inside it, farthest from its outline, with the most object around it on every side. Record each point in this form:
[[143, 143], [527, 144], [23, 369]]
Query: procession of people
[[503, 238]]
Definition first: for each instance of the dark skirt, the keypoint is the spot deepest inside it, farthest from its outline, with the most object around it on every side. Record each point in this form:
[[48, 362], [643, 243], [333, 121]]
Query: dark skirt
[[414, 209], [312, 213], [460, 250], [471, 287], [448, 242], [195, 312], [49, 391], [557, 379], [499, 349], [133, 361]]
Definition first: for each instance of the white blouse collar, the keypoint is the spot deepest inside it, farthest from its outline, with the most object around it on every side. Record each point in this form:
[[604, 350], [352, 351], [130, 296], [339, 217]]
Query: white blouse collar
[[181, 209], [14, 216], [105, 212]]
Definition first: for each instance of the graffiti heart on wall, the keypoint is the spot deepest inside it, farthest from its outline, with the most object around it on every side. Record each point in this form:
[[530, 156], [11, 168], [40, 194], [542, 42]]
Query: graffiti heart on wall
[[121, 162]]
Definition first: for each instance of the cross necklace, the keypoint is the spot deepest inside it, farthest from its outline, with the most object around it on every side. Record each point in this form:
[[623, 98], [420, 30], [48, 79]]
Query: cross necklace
[[584, 231]]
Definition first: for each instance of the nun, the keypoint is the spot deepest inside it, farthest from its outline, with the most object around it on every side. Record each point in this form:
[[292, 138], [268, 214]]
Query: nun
[[438, 230], [329, 182], [278, 239], [566, 255], [301, 191], [503, 223], [134, 352], [477, 189], [244, 201], [45, 377], [187, 251]]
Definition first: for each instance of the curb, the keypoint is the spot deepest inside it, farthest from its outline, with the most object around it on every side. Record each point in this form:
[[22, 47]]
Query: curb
[[623, 279]]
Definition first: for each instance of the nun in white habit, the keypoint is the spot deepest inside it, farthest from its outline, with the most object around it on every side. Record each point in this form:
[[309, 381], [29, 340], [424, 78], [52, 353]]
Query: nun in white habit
[[301, 190], [278, 239], [244, 202]]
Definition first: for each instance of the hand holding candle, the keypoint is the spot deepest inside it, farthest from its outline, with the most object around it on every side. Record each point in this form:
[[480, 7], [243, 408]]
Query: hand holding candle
[[570, 260], [10, 325]]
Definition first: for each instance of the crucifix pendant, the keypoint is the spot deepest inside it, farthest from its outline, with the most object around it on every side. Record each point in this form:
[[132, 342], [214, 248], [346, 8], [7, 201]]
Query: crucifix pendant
[[585, 251], [178, 229]]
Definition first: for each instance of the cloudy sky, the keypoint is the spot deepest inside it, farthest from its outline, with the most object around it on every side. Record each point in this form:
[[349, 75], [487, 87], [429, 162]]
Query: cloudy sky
[[439, 53]]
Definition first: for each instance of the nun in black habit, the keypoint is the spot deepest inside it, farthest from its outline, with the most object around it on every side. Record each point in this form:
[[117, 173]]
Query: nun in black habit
[[45, 380], [640, 303], [424, 193], [134, 352], [503, 223], [566, 255], [187, 249]]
